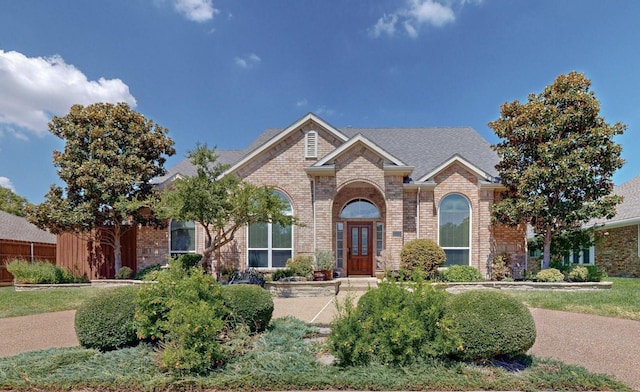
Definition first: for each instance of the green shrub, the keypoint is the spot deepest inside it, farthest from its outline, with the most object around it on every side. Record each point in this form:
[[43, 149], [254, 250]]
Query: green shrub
[[124, 273], [250, 305], [184, 310], [501, 267], [595, 273], [550, 275], [106, 322], [301, 265], [141, 274], [325, 260], [491, 324], [281, 274], [578, 274], [188, 260], [461, 273], [423, 256], [392, 325], [40, 272]]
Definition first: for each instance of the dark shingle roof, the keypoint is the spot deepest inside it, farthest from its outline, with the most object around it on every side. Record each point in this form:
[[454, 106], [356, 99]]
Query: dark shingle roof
[[16, 228], [423, 148]]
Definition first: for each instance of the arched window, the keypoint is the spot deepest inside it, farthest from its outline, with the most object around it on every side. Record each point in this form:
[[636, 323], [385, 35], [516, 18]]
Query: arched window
[[270, 244], [360, 208], [454, 217], [182, 237]]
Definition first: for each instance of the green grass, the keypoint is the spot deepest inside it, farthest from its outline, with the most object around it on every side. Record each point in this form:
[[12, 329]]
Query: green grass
[[622, 301], [23, 303], [281, 360]]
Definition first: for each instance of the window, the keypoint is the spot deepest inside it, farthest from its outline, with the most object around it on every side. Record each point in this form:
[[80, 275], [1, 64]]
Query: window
[[585, 256], [311, 144], [360, 208], [379, 238], [182, 237], [340, 245], [454, 217], [270, 244]]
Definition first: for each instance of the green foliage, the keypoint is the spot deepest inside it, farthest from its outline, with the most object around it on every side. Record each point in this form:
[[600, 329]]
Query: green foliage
[[250, 305], [282, 274], [301, 265], [392, 325], [124, 273], [325, 260], [558, 156], [578, 274], [221, 204], [461, 273], [422, 256], [110, 156], [595, 273], [12, 203], [141, 274], [188, 260], [40, 272], [550, 275], [501, 267], [106, 321], [185, 311], [491, 324]]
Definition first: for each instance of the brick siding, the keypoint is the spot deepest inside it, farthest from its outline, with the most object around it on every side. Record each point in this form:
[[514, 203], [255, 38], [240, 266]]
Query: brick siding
[[616, 250]]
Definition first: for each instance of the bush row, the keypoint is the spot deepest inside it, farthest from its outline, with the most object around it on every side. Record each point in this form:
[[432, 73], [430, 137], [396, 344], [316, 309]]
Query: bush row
[[572, 273], [41, 272], [395, 324]]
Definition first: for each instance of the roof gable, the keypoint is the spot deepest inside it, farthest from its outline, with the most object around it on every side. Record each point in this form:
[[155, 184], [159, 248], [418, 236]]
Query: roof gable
[[456, 158], [627, 212], [359, 139]]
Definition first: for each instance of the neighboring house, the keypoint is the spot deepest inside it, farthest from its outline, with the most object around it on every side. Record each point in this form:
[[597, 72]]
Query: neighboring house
[[358, 191], [617, 242], [20, 239]]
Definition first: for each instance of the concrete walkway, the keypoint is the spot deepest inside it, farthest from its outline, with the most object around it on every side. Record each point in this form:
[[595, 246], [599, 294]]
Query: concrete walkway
[[600, 344]]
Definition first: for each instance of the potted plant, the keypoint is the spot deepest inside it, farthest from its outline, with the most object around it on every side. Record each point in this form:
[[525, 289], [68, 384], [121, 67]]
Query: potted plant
[[325, 262]]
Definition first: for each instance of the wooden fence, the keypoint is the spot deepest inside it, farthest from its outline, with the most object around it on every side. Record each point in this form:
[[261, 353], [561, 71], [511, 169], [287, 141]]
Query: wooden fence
[[31, 251], [92, 260]]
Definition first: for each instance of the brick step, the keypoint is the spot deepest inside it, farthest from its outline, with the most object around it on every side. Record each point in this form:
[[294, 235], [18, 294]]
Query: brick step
[[357, 284]]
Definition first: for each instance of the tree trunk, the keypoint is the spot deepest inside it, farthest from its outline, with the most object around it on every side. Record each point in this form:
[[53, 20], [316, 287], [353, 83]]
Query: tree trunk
[[117, 247], [546, 250]]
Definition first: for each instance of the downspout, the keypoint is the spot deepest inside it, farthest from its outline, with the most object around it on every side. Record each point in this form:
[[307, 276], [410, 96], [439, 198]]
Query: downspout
[[418, 213], [313, 206]]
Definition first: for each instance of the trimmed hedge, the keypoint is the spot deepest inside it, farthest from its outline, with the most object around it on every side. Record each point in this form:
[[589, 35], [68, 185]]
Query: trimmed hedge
[[422, 256], [250, 305], [40, 272], [106, 322], [462, 273], [550, 275], [491, 324]]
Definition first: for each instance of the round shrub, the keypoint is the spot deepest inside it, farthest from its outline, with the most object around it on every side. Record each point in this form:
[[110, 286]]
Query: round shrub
[[106, 321], [301, 265], [491, 324], [462, 273], [423, 256], [124, 273], [250, 305], [188, 260], [550, 275], [579, 273]]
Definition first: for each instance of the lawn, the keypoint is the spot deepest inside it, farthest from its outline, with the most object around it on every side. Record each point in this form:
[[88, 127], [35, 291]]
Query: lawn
[[22, 303]]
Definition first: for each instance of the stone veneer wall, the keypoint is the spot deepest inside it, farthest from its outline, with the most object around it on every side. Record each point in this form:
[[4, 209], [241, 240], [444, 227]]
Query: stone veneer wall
[[616, 250]]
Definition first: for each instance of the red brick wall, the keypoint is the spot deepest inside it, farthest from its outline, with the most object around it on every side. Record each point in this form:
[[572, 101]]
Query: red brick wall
[[617, 251]]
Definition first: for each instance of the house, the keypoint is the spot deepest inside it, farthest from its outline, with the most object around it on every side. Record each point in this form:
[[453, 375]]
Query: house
[[20, 239], [357, 191], [617, 240]]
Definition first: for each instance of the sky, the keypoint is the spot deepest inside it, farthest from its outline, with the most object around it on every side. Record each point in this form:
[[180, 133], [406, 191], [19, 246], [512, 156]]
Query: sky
[[222, 71]]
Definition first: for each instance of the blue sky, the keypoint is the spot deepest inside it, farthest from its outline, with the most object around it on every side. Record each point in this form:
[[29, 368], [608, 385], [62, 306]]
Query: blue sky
[[222, 71]]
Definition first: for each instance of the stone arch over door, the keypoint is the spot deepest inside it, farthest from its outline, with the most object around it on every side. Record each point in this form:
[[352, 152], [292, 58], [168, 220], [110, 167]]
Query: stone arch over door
[[358, 238]]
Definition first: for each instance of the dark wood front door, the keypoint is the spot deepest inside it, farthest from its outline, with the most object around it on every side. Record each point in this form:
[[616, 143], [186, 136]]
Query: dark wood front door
[[360, 251]]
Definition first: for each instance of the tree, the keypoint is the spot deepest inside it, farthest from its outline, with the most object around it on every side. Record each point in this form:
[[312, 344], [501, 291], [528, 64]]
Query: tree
[[111, 153], [221, 203], [557, 159], [12, 203]]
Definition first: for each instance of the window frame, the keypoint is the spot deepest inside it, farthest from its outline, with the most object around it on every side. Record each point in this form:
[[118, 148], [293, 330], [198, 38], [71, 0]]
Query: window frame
[[468, 248], [176, 253]]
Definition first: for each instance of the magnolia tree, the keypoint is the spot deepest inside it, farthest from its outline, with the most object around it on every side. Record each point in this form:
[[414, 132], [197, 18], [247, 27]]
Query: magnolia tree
[[111, 153], [12, 203], [558, 157], [220, 202]]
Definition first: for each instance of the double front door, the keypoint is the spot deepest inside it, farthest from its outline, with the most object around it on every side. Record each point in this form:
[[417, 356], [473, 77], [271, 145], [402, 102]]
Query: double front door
[[359, 248]]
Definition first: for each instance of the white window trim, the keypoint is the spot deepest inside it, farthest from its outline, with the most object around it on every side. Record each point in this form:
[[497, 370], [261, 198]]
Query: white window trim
[[591, 261], [311, 144], [469, 248]]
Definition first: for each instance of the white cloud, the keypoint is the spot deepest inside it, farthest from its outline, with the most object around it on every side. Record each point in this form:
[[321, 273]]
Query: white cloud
[[196, 10], [35, 88], [416, 14], [6, 183], [247, 62], [325, 112], [301, 103]]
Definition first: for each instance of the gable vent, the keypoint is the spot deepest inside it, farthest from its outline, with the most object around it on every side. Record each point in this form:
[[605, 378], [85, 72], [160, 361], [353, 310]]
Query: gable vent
[[311, 144]]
